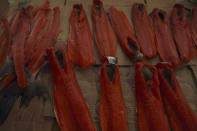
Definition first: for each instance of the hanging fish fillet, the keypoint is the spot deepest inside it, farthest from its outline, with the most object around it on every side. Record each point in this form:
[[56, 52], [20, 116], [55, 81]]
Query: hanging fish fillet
[[30, 9], [151, 116], [48, 17], [179, 112], [41, 7], [143, 29], [4, 43], [33, 39], [14, 23], [112, 108], [70, 107], [80, 42], [165, 44], [48, 40], [105, 38], [30, 43], [124, 32], [18, 48], [181, 32]]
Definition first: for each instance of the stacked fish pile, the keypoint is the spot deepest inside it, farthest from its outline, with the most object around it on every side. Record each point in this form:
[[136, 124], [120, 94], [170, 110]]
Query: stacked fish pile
[[24, 38]]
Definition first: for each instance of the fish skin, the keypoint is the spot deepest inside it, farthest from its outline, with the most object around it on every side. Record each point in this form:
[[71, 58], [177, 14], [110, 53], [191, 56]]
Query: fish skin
[[80, 43], [150, 112], [105, 37], [144, 31], [164, 40], [70, 106], [123, 30]]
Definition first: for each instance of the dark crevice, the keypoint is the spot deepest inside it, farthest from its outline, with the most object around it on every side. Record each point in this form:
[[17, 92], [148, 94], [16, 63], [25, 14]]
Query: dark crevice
[[8, 97], [161, 15], [7, 68], [78, 11], [188, 9], [140, 7], [168, 77], [65, 1], [148, 74], [193, 75], [98, 8], [110, 70], [59, 55], [109, 18], [167, 116], [179, 13], [132, 45]]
